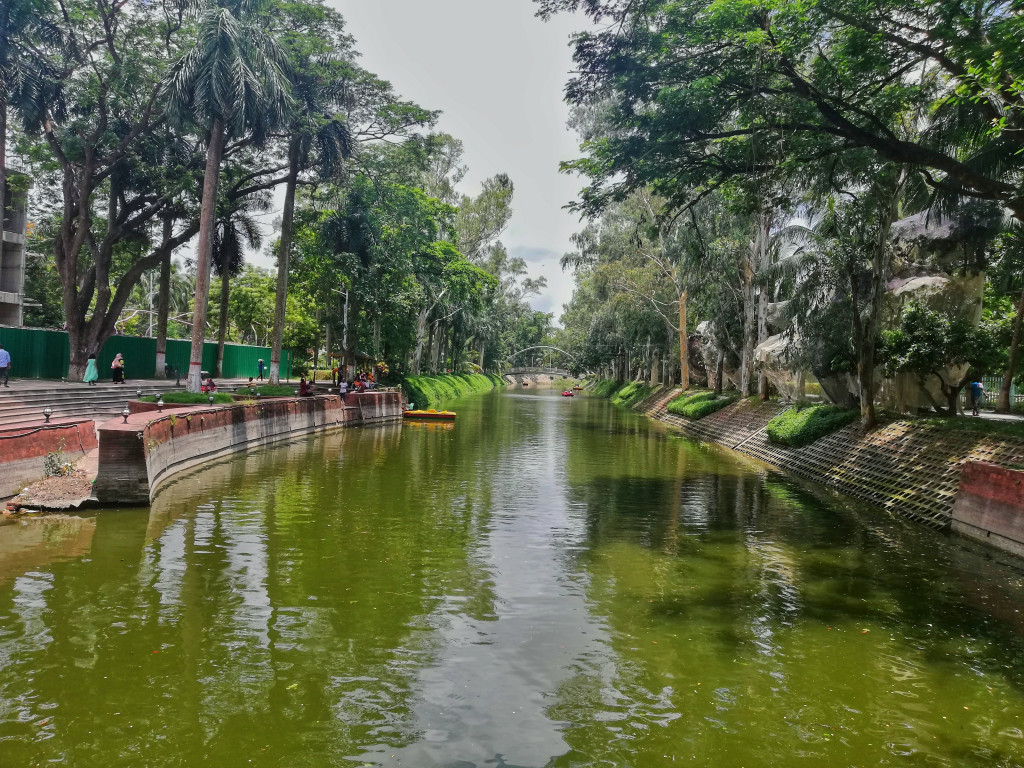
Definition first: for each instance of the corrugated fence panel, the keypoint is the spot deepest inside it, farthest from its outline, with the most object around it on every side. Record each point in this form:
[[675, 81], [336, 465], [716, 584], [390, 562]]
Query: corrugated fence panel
[[241, 362], [42, 354], [36, 353], [139, 357]]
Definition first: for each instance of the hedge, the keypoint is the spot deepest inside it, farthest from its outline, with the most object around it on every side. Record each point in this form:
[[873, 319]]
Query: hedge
[[426, 391], [631, 394], [701, 403], [802, 425], [607, 387], [190, 398]]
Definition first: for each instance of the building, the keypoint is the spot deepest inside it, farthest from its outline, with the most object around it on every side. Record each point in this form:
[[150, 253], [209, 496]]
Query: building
[[12, 250]]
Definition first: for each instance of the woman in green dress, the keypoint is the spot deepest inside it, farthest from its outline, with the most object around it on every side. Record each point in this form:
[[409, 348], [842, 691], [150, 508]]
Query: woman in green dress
[[91, 374]]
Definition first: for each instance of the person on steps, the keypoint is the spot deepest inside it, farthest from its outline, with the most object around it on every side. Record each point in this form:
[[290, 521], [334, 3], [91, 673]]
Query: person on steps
[[92, 375], [117, 367], [5, 365], [260, 363]]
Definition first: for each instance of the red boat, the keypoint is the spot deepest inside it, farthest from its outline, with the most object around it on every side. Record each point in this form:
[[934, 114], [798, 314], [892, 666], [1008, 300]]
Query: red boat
[[568, 393]]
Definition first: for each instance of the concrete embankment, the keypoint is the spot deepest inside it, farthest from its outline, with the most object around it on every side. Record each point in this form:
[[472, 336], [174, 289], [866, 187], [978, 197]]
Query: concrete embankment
[[23, 450], [908, 468], [137, 457]]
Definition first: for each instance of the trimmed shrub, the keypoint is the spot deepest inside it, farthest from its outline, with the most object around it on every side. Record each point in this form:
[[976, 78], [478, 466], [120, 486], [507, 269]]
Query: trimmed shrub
[[426, 391], [266, 390], [607, 387], [802, 425], [631, 394], [192, 398], [701, 403]]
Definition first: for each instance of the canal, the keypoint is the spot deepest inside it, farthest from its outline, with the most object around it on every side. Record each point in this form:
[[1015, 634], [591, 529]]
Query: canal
[[547, 583]]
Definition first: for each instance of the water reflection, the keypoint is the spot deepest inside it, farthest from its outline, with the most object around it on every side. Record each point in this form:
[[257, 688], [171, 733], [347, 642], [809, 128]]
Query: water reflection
[[547, 582]]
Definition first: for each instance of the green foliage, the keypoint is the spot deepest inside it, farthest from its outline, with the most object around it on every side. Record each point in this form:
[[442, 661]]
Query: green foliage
[[927, 343], [631, 394], [802, 425], [607, 387], [191, 398], [427, 391], [700, 403]]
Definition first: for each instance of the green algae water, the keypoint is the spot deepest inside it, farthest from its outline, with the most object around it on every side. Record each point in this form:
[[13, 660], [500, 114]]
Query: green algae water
[[548, 582]]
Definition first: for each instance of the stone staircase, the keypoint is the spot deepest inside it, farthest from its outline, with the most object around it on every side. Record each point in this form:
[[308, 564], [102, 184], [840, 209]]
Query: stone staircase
[[24, 401]]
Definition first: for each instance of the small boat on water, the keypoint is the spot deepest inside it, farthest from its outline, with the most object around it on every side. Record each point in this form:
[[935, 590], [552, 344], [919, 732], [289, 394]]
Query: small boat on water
[[568, 393], [578, 388], [430, 414]]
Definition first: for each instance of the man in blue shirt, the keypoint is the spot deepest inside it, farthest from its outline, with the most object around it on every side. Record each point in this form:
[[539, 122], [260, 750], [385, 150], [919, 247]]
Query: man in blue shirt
[[977, 392], [5, 365]]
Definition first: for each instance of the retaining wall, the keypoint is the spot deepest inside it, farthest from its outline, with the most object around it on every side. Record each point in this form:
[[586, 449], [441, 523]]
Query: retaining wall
[[24, 450], [136, 457], [990, 506], [908, 468]]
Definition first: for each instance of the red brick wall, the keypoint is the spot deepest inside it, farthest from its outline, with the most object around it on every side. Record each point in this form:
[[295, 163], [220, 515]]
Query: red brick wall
[[75, 437], [990, 505]]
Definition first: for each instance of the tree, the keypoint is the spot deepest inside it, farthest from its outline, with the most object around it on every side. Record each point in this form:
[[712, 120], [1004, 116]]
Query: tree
[[234, 231], [103, 168], [231, 83], [705, 91], [951, 350]]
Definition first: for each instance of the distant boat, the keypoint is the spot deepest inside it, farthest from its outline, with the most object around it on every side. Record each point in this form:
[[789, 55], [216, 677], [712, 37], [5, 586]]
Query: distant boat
[[430, 414], [568, 393]]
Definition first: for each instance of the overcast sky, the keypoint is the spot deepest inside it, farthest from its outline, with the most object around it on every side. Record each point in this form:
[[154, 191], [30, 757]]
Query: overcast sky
[[497, 74]]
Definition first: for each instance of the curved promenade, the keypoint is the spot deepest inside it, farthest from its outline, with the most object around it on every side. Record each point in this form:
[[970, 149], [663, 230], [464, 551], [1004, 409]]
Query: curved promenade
[[136, 457]]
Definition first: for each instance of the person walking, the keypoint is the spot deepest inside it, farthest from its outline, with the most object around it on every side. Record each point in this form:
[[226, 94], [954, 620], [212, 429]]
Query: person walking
[[5, 366], [118, 369], [92, 375], [260, 363], [977, 393]]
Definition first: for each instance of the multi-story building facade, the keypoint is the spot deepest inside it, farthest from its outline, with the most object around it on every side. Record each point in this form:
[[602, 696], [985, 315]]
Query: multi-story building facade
[[12, 250]]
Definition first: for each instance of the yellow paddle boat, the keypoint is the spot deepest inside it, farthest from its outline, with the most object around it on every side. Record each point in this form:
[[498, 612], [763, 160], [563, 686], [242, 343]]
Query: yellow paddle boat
[[430, 414]]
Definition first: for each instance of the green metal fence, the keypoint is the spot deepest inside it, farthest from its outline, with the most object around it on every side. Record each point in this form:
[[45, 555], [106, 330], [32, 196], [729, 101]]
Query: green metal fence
[[41, 354], [35, 353]]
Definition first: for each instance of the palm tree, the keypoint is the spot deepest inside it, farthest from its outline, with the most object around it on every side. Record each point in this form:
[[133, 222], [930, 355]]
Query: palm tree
[[319, 138], [230, 84], [234, 232], [23, 24]]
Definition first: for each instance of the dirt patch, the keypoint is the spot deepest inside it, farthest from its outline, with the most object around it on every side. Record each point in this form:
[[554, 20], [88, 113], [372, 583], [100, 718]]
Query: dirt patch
[[53, 493]]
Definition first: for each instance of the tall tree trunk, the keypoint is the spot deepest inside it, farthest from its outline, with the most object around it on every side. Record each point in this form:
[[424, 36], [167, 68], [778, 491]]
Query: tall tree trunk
[[421, 338], [283, 259], [719, 371], [376, 337], [1003, 404], [684, 351], [762, 336], [483, 347], [222, 330], [327, 346], [204, 251], [867, 331], [749, 330], [163, 306]]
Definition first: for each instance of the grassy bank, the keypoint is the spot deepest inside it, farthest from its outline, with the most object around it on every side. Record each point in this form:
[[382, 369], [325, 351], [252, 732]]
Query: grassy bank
[[429, 391], [802, 425], [606, 387], [190, 398], [697, 404], [631, 394]]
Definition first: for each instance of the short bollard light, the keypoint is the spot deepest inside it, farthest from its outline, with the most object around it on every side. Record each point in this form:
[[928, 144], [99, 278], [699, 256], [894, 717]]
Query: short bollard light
[[295, 392], [160, 403], [211, 399], [47, 413], [125, 414], [138, 393], [257, 395]]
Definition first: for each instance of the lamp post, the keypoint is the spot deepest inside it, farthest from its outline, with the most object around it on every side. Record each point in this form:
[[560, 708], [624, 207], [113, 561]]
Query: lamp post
[[211, 399], [125, 414], [47, 413], [160, 404], [138, 393]]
